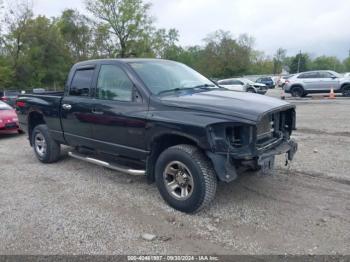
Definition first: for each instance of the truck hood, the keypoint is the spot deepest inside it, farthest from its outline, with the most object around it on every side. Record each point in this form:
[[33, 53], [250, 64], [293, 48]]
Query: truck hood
[[243, 105]]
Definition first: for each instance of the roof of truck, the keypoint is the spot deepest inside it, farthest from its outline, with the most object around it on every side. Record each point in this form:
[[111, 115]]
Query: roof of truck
[[124, 60]]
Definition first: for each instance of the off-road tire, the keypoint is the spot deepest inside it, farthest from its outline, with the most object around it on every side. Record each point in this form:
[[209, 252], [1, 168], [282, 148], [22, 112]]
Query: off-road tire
[[204, 177], [53, 148], [297, 91], [346, 90]]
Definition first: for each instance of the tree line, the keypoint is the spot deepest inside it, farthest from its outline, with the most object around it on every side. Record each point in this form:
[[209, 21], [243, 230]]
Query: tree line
[[37, 51]]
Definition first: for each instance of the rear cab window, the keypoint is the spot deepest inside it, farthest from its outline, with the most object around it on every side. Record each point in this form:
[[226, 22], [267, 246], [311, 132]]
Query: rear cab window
[[82, 82]]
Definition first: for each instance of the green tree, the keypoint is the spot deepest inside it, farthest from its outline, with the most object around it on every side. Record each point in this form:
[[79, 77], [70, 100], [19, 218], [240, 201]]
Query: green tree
[[301, 62], [15, 23], [77, 32], [260, 64], [278, 60], [129, 22], [224, 56], [327, 63], [164, 43], [346, 64], [46, 60]]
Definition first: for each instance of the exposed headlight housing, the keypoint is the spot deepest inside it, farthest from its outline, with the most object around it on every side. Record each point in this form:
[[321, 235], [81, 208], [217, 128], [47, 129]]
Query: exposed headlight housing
[[239, 136]]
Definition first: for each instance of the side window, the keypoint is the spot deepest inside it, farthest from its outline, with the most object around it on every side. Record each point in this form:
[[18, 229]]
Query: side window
[[325, 75], [236, 82], [114, 84], [309, 75], [81, 83]]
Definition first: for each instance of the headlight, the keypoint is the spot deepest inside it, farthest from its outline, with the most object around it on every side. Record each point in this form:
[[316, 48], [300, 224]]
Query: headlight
[[15, 119], [1, 121]]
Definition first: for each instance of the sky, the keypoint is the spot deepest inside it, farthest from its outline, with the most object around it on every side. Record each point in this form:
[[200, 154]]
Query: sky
[[318, 27]]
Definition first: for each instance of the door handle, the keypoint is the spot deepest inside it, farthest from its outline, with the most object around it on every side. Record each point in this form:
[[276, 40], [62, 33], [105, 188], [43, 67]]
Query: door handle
[[94, 111], [67, 107]]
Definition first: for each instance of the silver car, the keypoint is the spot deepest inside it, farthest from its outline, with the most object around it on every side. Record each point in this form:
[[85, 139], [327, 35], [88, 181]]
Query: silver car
[[322, 81], [243, 85]]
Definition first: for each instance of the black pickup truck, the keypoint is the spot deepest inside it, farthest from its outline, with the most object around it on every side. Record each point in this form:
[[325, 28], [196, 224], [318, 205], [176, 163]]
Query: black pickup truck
[[160, 119]]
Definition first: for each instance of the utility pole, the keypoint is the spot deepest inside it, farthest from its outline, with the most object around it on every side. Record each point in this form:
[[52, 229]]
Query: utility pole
[[299, 61]]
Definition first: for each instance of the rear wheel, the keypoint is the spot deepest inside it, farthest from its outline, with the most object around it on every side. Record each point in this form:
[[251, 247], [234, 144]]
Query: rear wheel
[[46, 149], [185, 178], [297, 91], [346, 90]]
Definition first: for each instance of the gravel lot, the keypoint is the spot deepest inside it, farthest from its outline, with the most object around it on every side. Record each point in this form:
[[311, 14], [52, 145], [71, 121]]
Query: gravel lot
[[73, 207]]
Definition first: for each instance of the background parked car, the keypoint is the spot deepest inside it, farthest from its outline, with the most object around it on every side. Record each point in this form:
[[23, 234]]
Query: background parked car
[[282, 81], [321, 81], [266, 80], [243, 85], [8, 119], [9, 96]]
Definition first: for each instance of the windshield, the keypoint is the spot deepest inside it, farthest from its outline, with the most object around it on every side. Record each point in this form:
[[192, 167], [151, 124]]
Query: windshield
[[11, 93], [163, 76], [247, 81], [4, 106], [335, 74]]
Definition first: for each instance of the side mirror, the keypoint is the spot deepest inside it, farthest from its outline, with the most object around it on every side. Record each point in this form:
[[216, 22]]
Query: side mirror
[[334, 77]]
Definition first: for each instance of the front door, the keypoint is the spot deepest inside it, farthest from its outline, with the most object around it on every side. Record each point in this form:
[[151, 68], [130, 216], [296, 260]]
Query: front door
[[120, 114], [328, 81]]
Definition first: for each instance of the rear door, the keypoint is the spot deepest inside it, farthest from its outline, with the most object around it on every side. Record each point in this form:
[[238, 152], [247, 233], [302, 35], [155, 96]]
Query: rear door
[[311, 81], [76, 111], [119, 113]]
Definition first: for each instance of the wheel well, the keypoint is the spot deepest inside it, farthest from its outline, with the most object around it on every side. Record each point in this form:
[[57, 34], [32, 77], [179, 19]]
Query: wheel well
[[159, 145], [294, 86], [344, 85], [34, 119]]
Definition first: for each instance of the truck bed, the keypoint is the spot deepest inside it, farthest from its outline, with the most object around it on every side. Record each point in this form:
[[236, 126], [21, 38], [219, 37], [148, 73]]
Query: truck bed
[[48, 104]]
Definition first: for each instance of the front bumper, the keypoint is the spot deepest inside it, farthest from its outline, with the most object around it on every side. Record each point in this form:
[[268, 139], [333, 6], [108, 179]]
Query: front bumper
[[261, 91], [226, 167], [8, 126]]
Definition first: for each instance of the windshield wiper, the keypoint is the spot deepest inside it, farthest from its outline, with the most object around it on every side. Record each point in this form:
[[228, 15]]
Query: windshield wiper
[[204, 86], [174, 90]]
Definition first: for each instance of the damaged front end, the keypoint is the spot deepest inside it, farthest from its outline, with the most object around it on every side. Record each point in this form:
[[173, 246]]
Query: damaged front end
[[248, 146]]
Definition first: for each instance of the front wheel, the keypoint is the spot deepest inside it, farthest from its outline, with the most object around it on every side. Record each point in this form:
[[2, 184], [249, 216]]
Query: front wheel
[[251, 90], [346, 91], [297, 91], [185, 178], [46, 149]]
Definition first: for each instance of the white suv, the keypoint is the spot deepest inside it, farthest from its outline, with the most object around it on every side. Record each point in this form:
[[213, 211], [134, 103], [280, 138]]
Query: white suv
[[323, 81]]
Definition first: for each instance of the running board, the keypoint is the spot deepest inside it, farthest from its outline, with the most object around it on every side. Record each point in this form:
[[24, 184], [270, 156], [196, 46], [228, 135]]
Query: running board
[[98, 162]]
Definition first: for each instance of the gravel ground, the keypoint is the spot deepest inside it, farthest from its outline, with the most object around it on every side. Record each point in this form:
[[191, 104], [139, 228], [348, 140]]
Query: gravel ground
[[73, 207]]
